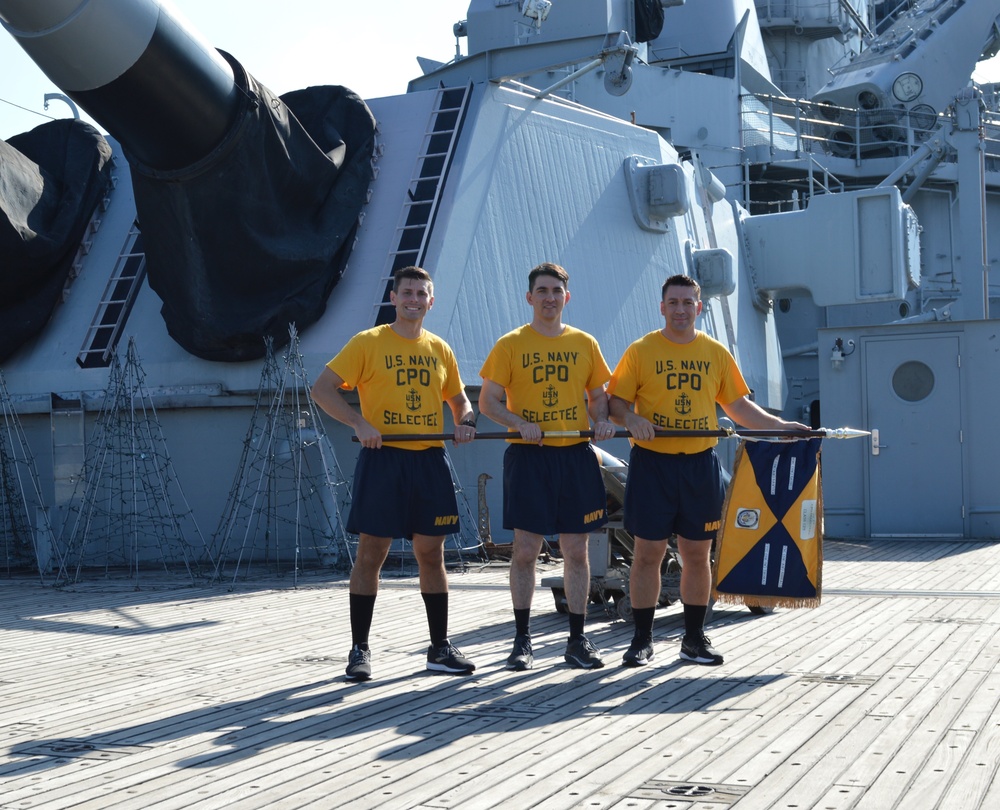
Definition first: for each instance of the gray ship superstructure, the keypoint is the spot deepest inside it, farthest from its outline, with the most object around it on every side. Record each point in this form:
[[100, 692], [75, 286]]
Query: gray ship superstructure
[[826, 170]]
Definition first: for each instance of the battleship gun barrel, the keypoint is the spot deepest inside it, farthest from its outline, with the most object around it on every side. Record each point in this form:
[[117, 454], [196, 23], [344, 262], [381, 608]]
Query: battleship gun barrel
[[248, 201], [165, 94]]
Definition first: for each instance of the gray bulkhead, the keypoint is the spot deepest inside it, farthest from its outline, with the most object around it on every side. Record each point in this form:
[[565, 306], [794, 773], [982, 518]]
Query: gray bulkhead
[[533, 179]]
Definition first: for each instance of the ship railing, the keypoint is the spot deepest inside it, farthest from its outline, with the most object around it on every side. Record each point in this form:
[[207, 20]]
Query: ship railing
[[805, 11], [817, 16], [777, 125], [887, 18], [991, 97], [991, 140], [807, 178]]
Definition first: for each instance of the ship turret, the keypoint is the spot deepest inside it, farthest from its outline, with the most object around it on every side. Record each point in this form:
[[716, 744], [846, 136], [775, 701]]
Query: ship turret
[[908, 75], [247, 202]]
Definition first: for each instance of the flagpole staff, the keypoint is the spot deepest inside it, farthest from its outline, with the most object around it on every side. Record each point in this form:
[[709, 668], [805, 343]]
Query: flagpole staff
[[722, 433]]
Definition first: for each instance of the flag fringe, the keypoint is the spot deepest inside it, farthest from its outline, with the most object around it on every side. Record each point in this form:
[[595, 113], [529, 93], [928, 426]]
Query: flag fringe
[[767, 601]]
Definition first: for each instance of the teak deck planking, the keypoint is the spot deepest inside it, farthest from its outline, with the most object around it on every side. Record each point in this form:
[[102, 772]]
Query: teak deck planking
[[165, 697]]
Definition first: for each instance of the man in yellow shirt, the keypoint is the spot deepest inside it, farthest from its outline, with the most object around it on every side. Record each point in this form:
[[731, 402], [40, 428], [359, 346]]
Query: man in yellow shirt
[[546, 369], [403, 374], [672, 379]]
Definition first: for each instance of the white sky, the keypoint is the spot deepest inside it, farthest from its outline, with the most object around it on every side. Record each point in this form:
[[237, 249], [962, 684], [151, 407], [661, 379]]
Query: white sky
[[368, 46]]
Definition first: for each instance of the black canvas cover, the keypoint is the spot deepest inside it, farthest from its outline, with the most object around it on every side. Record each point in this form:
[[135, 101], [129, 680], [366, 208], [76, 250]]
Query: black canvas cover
[[648, 20], [51, 180], [255, 236]]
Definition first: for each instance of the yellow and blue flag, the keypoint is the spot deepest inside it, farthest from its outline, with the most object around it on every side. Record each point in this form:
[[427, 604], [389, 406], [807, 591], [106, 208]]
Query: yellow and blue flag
[[769, 550]]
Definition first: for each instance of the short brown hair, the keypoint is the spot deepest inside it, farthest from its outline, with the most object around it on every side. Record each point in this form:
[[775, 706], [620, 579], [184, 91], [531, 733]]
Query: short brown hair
[[681, 280], [548, 269], [412, 271]]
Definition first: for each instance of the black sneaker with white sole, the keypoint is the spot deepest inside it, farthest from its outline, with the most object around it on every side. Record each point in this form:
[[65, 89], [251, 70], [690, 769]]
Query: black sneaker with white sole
[[521, 657], [638, 654], [699, 649], [580, 653], [359, 664], [448, 658]]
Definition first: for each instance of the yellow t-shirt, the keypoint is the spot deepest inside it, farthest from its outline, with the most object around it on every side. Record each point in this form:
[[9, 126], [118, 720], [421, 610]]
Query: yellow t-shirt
[[677, 385], [401, 383], [546, 378]]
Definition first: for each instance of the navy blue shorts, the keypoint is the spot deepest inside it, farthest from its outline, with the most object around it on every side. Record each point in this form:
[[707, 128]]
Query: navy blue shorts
[[400, 493], [673, 493], [553, 490]]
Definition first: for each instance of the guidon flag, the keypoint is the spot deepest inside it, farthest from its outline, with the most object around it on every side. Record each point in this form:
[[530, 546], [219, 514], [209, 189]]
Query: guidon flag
[[769, 551]]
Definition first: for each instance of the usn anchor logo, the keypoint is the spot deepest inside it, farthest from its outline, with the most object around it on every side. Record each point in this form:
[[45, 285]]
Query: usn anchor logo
[[682, 404], [550, 396], [412, 400]]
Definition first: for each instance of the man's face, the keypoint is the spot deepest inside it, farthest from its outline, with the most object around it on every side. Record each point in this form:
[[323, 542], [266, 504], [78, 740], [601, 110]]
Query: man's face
[[680, 308], [548, 296], [413, 299]]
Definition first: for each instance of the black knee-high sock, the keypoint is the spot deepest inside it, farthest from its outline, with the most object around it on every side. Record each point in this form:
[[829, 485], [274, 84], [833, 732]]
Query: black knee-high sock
[[522, 621], [436, 605], [362, 609], [643, 620], [694, 619]]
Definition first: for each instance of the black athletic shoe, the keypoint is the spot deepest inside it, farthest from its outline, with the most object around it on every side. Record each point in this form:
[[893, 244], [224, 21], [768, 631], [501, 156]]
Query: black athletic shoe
[[359, 664], [520, 657], [580, 653], [638, 655], [448, 658], [700, 650]]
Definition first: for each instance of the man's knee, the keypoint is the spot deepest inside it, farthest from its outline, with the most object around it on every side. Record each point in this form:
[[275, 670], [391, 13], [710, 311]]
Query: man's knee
[[695, 552], [573, 548], [527, 547], [648, 552], [429, 551], [371, 551]]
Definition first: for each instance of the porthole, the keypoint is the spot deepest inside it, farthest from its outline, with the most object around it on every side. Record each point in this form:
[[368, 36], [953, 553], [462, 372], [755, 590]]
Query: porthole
[[913, 381]]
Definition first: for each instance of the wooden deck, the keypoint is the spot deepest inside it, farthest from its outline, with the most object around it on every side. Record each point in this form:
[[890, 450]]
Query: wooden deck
[[168, 697]]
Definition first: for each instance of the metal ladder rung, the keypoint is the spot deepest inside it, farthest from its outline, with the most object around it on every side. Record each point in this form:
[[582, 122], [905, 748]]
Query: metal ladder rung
[[107, 301], [116, 302], [430, 178], [428, 185]]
